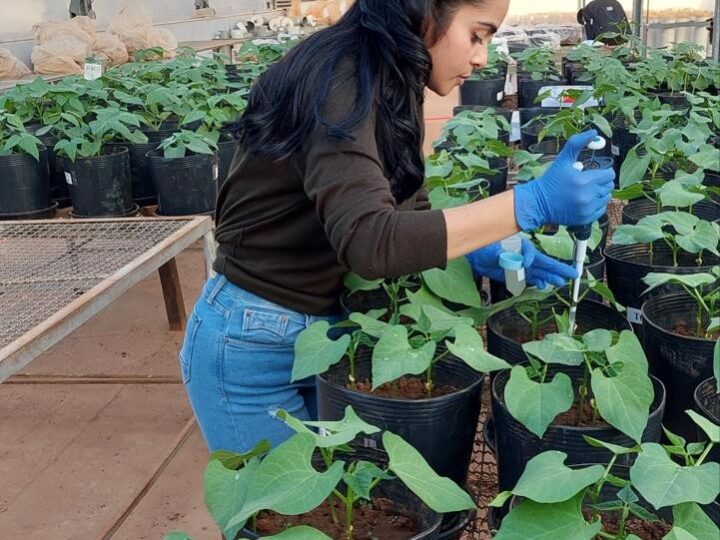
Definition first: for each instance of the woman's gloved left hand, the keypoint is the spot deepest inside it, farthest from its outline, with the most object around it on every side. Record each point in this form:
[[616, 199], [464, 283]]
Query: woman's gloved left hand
[[540, 269]]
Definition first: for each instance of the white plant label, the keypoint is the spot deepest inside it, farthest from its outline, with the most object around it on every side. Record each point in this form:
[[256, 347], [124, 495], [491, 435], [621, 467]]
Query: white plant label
[[555, 99], [499, 96], [93, 71], [216, 171], [515, 126], [69, 179], [614, 150], [634, 315]]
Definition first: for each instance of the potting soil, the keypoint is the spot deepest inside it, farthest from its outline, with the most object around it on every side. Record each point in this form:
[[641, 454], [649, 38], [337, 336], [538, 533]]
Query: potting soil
[[406, 388]]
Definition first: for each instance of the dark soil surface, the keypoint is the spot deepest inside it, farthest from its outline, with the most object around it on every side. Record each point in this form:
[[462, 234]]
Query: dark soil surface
[[642, 529], [549, 328], [685, 328], [405, 388], [570, 417], [379, 520]]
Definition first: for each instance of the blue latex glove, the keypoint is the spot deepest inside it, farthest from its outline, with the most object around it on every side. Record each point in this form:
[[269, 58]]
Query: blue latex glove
[[564, 195], [539, 268]]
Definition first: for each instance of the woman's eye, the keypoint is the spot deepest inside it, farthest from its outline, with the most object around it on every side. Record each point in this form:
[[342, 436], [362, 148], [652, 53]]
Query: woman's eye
[[477, 39]]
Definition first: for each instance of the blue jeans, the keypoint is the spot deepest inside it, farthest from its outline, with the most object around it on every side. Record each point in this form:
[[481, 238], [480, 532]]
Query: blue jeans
[[236, 362]]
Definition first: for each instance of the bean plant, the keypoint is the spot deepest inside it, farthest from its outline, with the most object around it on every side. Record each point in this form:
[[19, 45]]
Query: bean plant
[[284, 480], [703, 288], [14, 138], [584, 502], [539, 63]]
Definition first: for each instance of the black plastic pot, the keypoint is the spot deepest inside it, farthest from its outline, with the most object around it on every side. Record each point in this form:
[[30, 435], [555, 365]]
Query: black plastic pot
[[490, 92], [441, 428], [498, 181], [408, 504], [516, 445], [226, 152], [707, 403], [712, 179], [531, 125], [621, 142], [185, 185], [528, 90], [676, 102], [506, 328], [58, 186], [101, 186], [596, 267], [454, 524], [635, 210], [548, 146], [24, 183], [625, 266], [143, 188], [680, 362]]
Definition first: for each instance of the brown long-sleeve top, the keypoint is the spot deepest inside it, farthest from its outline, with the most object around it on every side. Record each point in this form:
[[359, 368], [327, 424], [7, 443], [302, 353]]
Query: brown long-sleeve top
[[288, 231]]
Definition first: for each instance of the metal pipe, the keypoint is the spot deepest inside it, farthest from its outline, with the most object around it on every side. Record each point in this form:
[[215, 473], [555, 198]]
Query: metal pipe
[[637, 17], [716, 32]]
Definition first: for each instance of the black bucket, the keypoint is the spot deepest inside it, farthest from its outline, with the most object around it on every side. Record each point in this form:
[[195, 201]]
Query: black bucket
[[506, 328], [226, 152], [507, 113], [441, 428], [626, 266], [143, 188], [185, 186], [58, 186], [101, 186], [528, 90], [454, 524], [676, 102], [621, 142], [707, 403], [529, 131], [596, 267], [712, 179], [680, 362], [490, 92], [498, 181], [408, 504], [635, 210], [24, 183], [516, 445]]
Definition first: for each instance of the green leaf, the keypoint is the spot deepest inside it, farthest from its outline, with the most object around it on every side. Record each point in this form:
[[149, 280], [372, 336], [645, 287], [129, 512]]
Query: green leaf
[[235, 460], [693, 281], [704, 237], [708, 158], [535, 405], [370, 325], [362, 477], [441, 321], [624, 400], [662, 482], [556, 349], [285, 481], [546, 478], [226, 492], [633, 169], [673, 193], [716, 364], [355, 283], [559, 521], [394, 357], [468, 346], [692, 523], [614, 448], [336, 433], [455, 283], [598, 340], [29, 144], [199, 147], [439, 493], [177, 535], [193, 116], [315, 352], [711, 429], [301, 532]]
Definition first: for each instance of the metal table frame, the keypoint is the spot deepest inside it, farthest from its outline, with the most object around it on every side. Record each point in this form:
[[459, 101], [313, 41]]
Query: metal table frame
[[19, 353]]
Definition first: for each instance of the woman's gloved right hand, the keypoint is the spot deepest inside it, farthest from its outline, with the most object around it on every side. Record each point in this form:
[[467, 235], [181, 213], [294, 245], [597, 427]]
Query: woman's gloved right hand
[[564, 195]]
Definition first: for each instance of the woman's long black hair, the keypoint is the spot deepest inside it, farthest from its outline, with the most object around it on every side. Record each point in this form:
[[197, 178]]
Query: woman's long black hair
[[385, 39]]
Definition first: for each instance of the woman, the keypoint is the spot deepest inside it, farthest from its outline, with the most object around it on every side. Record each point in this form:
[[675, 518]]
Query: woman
[[328, 180]]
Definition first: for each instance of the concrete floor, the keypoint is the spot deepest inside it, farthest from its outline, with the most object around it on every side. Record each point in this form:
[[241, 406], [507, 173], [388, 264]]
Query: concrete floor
[[124, 461]]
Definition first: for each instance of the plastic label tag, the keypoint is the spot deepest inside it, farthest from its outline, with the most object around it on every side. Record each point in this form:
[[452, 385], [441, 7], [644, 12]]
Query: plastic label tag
[[614, 150], [369, 443], [93, 71], [69, 179], [499, 96], [634, 315], [216, 171], [515, 126], [555, 99]]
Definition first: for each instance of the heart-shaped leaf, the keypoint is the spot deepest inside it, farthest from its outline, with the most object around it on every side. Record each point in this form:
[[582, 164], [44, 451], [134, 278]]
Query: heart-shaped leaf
[[455, 283], [439, 493], [692, 523], [333, 433], [662, 482], [468, 346], [393, 357], [315, 352], [556, 349], [535, 405]]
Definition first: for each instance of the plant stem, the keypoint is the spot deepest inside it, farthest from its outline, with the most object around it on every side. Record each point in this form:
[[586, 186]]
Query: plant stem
[[349, 501], [582, 391], [704, 454]]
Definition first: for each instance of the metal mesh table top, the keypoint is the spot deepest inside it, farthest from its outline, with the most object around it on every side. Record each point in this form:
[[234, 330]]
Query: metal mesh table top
[[44, 266]]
